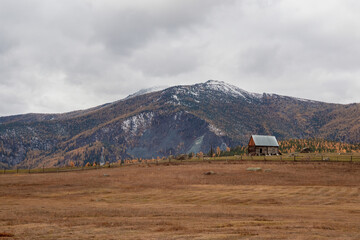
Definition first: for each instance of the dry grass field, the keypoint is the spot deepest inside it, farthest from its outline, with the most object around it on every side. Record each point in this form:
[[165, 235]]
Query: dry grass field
[[290, 201]]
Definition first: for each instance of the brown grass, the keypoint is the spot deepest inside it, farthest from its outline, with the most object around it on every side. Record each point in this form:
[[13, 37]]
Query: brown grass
[[292, 201], [6, 235]]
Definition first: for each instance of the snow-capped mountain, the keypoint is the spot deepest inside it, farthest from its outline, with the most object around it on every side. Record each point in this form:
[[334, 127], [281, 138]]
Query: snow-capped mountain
[[179, 119], [146, 90]]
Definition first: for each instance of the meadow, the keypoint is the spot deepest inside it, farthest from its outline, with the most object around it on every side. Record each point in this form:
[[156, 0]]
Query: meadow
[[177, 200]]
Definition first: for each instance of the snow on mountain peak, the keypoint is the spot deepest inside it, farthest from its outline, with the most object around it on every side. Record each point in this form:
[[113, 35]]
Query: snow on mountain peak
[[229, 89], [198, 89], [215, 82], [146, 90]]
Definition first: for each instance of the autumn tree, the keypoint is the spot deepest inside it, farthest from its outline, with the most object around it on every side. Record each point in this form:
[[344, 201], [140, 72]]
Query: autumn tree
[[200, 155], [71, 164], [218, 151]]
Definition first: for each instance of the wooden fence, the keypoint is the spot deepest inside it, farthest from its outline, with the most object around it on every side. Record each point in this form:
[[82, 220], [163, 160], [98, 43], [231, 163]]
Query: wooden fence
[[310, 158]]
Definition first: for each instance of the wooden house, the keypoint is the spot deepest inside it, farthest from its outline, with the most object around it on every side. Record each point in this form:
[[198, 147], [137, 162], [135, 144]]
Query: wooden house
[[263, 145]]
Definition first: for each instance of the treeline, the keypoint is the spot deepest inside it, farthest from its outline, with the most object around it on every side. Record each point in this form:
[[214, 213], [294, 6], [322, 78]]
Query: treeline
[[314, 145], [238, 150], [92, 154], [317, 145]]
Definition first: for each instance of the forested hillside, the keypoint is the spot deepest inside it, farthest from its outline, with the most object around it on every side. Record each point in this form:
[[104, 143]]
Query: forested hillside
[[177, 120]]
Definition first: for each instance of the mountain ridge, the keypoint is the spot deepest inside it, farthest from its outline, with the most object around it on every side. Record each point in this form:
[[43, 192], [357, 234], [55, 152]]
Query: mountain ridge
[[178, 119], [48, 116]]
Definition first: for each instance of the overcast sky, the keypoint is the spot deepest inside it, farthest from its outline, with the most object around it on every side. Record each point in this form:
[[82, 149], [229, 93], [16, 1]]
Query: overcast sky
[[58, 56]]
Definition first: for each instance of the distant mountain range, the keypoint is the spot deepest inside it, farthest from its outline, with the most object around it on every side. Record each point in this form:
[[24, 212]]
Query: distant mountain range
[[179, 119]]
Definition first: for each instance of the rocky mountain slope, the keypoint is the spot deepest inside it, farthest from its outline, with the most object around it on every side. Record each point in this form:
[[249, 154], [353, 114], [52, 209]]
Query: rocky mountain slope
[[176, 120]]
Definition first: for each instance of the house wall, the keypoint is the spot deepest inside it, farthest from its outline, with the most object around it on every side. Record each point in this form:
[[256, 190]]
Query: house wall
[[273, 150], [265, 150], [251, 149]]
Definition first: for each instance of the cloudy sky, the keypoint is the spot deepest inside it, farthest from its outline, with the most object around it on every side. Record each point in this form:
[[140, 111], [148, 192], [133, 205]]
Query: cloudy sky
[[58, 56]]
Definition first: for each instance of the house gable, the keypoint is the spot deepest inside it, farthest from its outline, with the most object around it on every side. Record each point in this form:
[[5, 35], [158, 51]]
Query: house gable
[[251, 142]]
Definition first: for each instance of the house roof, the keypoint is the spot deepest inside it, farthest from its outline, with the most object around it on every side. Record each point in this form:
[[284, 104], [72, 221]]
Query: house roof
[[261, 140]]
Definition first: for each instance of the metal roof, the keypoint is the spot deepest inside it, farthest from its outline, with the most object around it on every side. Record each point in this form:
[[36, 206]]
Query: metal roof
[[261, 140]]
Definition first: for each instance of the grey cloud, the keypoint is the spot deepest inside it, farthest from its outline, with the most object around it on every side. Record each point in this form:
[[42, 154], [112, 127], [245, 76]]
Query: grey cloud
[[64, 55], [281, 41], [162, 58], [6, 44], [123, 29]]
